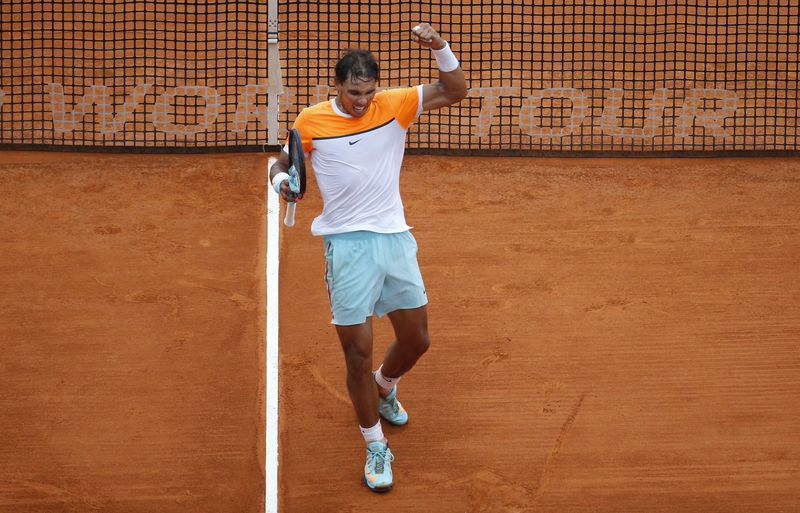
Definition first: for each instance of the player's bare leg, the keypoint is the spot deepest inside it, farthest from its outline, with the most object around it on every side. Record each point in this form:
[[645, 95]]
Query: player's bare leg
[[412, 341], [411, 331], [357, 346]]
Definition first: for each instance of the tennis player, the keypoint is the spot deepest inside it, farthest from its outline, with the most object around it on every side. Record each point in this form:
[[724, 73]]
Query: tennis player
[[356, 142]]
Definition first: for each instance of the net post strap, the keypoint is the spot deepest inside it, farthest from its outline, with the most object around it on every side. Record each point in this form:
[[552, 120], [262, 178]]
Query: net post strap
[[275, 78]]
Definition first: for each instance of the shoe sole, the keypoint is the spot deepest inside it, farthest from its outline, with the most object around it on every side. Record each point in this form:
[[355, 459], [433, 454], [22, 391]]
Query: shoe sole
[[377, 490]]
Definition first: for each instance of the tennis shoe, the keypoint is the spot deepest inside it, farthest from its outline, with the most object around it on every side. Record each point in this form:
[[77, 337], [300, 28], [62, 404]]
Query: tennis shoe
[[378, 468], [391, 409]]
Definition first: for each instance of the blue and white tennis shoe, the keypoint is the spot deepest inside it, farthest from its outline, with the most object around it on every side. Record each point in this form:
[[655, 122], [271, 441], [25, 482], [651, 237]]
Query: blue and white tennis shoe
[[378, 468], [391, 409]]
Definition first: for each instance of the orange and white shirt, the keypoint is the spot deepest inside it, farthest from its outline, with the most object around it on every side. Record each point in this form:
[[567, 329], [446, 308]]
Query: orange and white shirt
[[357, 161]]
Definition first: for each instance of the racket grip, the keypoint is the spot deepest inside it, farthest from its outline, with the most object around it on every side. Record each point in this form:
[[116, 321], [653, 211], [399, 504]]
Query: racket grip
[[289, 219]]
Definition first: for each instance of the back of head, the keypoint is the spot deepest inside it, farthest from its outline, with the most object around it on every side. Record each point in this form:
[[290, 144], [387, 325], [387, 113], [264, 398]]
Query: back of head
[[357, 65]]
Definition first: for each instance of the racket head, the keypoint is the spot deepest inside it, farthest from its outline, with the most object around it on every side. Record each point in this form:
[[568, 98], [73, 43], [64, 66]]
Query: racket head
[[298, 157]]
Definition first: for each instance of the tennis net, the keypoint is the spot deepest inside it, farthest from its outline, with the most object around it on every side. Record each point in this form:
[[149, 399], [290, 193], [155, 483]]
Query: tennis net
[[546, 77]]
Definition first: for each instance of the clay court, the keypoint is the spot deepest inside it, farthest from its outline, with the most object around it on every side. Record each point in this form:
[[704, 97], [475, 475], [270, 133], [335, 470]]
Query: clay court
[[609, 232], [608, 335]]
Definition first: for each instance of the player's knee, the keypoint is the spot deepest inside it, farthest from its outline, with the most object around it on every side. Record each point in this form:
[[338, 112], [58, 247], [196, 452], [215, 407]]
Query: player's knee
[[358, 360], [422, 343]]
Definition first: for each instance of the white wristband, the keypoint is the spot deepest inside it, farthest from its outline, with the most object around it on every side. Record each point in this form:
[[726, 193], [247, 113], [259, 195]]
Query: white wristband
[[278, 179], [445, 59]]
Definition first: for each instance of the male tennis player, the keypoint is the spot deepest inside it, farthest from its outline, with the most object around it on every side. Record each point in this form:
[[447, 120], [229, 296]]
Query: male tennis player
[[357, 142]]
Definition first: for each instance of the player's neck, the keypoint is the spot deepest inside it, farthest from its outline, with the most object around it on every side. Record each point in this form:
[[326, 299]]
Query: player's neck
[[339, 108]]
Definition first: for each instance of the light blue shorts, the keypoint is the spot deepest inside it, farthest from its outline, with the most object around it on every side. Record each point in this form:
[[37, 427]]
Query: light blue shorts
[[372, 273]]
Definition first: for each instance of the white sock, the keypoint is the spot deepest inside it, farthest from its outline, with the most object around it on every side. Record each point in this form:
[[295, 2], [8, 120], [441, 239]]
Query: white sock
[[373, 434], [385, 383]]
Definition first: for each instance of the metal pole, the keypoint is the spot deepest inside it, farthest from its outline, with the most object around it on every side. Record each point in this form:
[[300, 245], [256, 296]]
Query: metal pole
[[275, 77]]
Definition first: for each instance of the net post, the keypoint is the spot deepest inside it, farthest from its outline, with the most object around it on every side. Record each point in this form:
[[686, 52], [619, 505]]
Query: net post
[[275, 77]]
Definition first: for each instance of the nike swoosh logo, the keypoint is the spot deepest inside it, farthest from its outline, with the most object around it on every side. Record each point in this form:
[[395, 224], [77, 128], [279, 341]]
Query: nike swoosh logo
[[353, 142]]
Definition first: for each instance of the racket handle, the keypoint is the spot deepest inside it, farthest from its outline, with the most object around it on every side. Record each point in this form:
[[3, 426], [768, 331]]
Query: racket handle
[[289, 219]]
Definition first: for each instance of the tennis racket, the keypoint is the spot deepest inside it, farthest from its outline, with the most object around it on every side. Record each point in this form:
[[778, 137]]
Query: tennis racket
[[297, 173]]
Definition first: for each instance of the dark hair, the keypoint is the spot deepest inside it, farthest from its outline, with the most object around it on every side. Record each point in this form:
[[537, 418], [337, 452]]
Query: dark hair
[[357, 65]]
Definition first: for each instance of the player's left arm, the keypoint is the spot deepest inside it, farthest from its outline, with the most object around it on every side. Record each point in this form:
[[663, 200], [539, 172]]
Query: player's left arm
[[452, 86]]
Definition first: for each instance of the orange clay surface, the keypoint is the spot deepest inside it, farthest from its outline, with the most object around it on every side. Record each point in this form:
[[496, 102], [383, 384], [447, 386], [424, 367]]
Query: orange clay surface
[[609, 335], [132, 328]]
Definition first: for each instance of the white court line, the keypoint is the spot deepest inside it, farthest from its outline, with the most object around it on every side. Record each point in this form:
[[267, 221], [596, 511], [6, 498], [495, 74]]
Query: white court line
[[271, 396]]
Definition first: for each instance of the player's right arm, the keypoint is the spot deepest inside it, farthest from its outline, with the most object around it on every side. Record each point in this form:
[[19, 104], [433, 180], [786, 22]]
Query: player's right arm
[[282, 166]]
